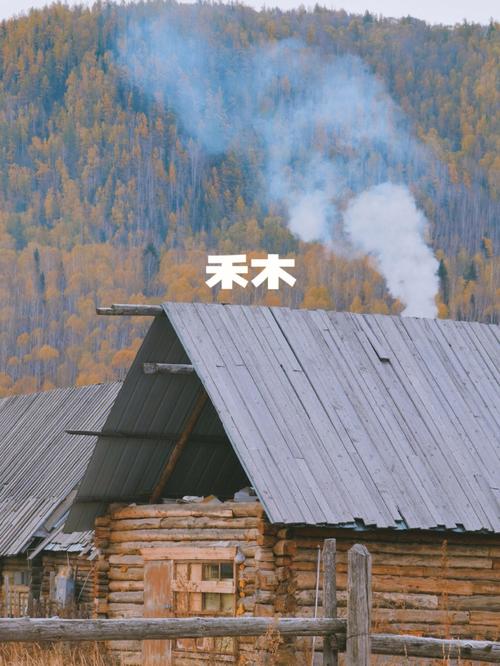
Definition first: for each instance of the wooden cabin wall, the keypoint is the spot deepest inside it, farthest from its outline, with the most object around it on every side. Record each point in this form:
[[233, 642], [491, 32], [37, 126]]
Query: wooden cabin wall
[[83, 571], [32, 596], [421, 584], [122, 534], [425, 584]]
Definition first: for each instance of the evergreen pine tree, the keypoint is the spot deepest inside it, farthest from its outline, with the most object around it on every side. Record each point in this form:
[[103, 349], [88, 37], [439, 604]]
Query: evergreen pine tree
[[444, 282]]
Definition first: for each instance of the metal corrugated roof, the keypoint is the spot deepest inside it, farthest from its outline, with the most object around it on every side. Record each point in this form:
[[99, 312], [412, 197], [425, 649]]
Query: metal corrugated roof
[[40, 464], [336, 418]]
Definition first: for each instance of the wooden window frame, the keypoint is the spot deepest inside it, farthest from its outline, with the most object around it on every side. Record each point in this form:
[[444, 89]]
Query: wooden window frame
[[198, 555]]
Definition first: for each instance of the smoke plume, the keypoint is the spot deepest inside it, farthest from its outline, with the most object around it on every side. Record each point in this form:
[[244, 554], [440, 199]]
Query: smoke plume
[[385, 222], [324, 126]]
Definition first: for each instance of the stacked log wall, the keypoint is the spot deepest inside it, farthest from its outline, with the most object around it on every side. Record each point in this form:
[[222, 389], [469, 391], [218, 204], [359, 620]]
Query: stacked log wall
[[125, 531], [36, 592], [423, 584], [83, 572]]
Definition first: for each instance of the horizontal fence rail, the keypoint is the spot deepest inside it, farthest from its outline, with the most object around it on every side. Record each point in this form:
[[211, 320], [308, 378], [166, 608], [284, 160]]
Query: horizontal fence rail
[[53, 629], [351, 636], [50, 629], [435, 648]]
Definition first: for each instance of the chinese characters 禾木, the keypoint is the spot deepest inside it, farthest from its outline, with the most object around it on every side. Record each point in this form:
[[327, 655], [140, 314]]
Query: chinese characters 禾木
[[228, 269]]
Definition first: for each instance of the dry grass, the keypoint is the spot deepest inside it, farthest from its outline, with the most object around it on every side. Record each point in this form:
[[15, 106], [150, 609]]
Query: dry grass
[[268, 654], [56, 654]]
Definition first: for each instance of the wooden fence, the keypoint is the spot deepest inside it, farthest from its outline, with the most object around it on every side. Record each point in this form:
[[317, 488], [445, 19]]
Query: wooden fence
[[351, 636]]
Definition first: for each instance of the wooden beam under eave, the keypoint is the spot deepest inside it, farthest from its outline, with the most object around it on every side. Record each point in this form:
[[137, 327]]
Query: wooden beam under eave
[[179, 447], [167, 369], [105, 499], [145, 437], [132, 310]]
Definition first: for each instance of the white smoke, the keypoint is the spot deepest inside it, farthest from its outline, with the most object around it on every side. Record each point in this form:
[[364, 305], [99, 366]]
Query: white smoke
[[385, 222], [322, 126], [308, 216]]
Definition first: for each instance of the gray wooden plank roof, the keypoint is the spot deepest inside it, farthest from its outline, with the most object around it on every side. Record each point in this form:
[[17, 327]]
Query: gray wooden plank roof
[[340, 418], [74, 542], [334, 418], [40, 464]]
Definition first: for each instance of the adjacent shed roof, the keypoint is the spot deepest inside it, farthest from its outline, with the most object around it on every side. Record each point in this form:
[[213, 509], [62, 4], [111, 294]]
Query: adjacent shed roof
[[335, 418], [74, 542], [40, 464]]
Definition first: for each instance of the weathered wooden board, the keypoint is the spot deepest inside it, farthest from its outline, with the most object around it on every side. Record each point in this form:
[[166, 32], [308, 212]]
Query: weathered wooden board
[[334, 418], [158, 603], [358, 417]]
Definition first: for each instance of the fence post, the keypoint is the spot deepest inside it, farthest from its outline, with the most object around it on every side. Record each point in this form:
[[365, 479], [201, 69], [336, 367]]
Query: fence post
[[330, 654], [358, 606], [6, 591]]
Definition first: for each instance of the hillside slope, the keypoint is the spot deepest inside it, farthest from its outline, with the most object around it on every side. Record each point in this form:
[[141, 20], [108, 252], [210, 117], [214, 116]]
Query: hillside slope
[[106, 195]]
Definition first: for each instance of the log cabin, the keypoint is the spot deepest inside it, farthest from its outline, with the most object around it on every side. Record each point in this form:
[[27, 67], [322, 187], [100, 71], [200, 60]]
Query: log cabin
[[242, 437], [40, 466]]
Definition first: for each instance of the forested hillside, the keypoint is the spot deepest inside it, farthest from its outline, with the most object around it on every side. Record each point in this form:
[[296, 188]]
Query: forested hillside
[[106, 196]]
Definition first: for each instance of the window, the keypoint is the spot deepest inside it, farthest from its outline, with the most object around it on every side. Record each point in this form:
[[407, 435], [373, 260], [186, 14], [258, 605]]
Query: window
[[15, 593], [218, 602], [21, 577], [204, 588]]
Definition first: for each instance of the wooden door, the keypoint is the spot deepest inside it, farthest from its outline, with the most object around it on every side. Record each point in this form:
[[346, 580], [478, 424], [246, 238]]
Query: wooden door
[[158, 602]]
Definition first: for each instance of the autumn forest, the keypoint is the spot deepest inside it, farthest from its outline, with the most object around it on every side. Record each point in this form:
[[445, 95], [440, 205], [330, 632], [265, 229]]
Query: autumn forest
[[107, 196]]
